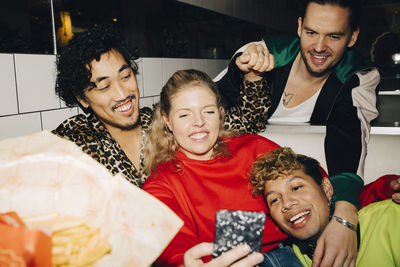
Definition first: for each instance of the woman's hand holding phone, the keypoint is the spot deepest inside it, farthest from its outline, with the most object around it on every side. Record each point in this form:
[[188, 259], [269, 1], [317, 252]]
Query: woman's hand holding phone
[[237, 243], [236, 257]]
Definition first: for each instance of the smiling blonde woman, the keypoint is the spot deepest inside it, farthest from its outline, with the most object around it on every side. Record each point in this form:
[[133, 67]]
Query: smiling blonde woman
[[199, 168]]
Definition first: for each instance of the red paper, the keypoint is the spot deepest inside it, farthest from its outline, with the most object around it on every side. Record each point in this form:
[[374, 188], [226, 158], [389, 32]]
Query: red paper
[[20, 246]]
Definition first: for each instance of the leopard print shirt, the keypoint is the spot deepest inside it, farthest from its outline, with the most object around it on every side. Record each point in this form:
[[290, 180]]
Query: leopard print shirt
[[94, 139]]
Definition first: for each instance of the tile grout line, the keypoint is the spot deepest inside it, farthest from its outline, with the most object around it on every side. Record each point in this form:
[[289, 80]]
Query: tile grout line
[[16, 83], [41, 120], [36, 111]]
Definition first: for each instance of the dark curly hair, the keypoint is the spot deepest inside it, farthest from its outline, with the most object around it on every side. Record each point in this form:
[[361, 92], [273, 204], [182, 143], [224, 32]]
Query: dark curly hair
[[282, 162], [73, 61]]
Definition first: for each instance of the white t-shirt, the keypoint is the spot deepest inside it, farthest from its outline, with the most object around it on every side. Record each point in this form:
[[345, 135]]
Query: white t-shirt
[[299, 113]]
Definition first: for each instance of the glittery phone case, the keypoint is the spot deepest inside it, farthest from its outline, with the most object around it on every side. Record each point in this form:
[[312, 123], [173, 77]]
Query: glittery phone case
[[233, 228]]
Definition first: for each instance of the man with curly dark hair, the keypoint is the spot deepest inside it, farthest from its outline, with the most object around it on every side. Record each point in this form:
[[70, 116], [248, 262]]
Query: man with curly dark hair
[[97, 72]]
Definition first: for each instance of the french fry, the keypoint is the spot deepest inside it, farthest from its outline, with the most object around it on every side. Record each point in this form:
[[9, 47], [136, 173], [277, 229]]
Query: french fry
[[41, 218], [74, 242]]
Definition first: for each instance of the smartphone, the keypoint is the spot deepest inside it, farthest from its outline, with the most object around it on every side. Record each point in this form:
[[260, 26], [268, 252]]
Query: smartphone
[[235, 227]]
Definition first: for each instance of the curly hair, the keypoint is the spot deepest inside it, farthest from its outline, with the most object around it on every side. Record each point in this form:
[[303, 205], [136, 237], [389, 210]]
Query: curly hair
[[281, 162], [74, 61], [160, 144]]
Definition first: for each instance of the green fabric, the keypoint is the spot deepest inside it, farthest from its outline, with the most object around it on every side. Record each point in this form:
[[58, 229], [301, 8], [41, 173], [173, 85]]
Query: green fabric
[[286, 48], [303, 258], [347, 187], [380, 232], [349, 64]]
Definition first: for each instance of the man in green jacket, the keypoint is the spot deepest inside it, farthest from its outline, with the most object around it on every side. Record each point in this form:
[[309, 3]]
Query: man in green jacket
[[317, 78]]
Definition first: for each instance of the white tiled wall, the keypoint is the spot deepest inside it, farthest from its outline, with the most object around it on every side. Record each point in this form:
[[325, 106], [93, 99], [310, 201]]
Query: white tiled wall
[[383, 147], [18, 125], [152, 76], [154, 72], [29, 104], [52, 118], [35, 75], [201, 64], [8, 99], [170, 65]]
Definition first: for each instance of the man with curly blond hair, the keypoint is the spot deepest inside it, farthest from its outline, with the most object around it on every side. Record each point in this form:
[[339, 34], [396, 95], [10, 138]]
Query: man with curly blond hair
[[299, 198]]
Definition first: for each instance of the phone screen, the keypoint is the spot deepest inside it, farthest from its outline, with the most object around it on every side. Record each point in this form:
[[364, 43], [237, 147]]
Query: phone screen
[[233, 228]]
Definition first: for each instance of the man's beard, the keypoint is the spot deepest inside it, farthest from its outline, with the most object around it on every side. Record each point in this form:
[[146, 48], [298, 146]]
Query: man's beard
[[127, 127], [321, 73]]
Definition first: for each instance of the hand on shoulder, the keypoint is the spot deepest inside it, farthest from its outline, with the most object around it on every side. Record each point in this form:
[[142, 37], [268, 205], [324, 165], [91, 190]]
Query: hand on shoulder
[[337, 245]]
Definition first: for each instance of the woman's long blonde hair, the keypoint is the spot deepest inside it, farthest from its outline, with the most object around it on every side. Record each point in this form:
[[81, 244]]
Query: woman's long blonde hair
[[160, 144]]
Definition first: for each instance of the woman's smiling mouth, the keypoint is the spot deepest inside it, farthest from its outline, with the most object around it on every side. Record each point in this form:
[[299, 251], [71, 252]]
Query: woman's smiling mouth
[[198, 135]]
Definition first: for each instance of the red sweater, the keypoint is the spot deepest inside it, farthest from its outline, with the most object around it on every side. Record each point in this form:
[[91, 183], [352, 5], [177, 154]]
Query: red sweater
[[202, 188], [197, 192], [380, 189]]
